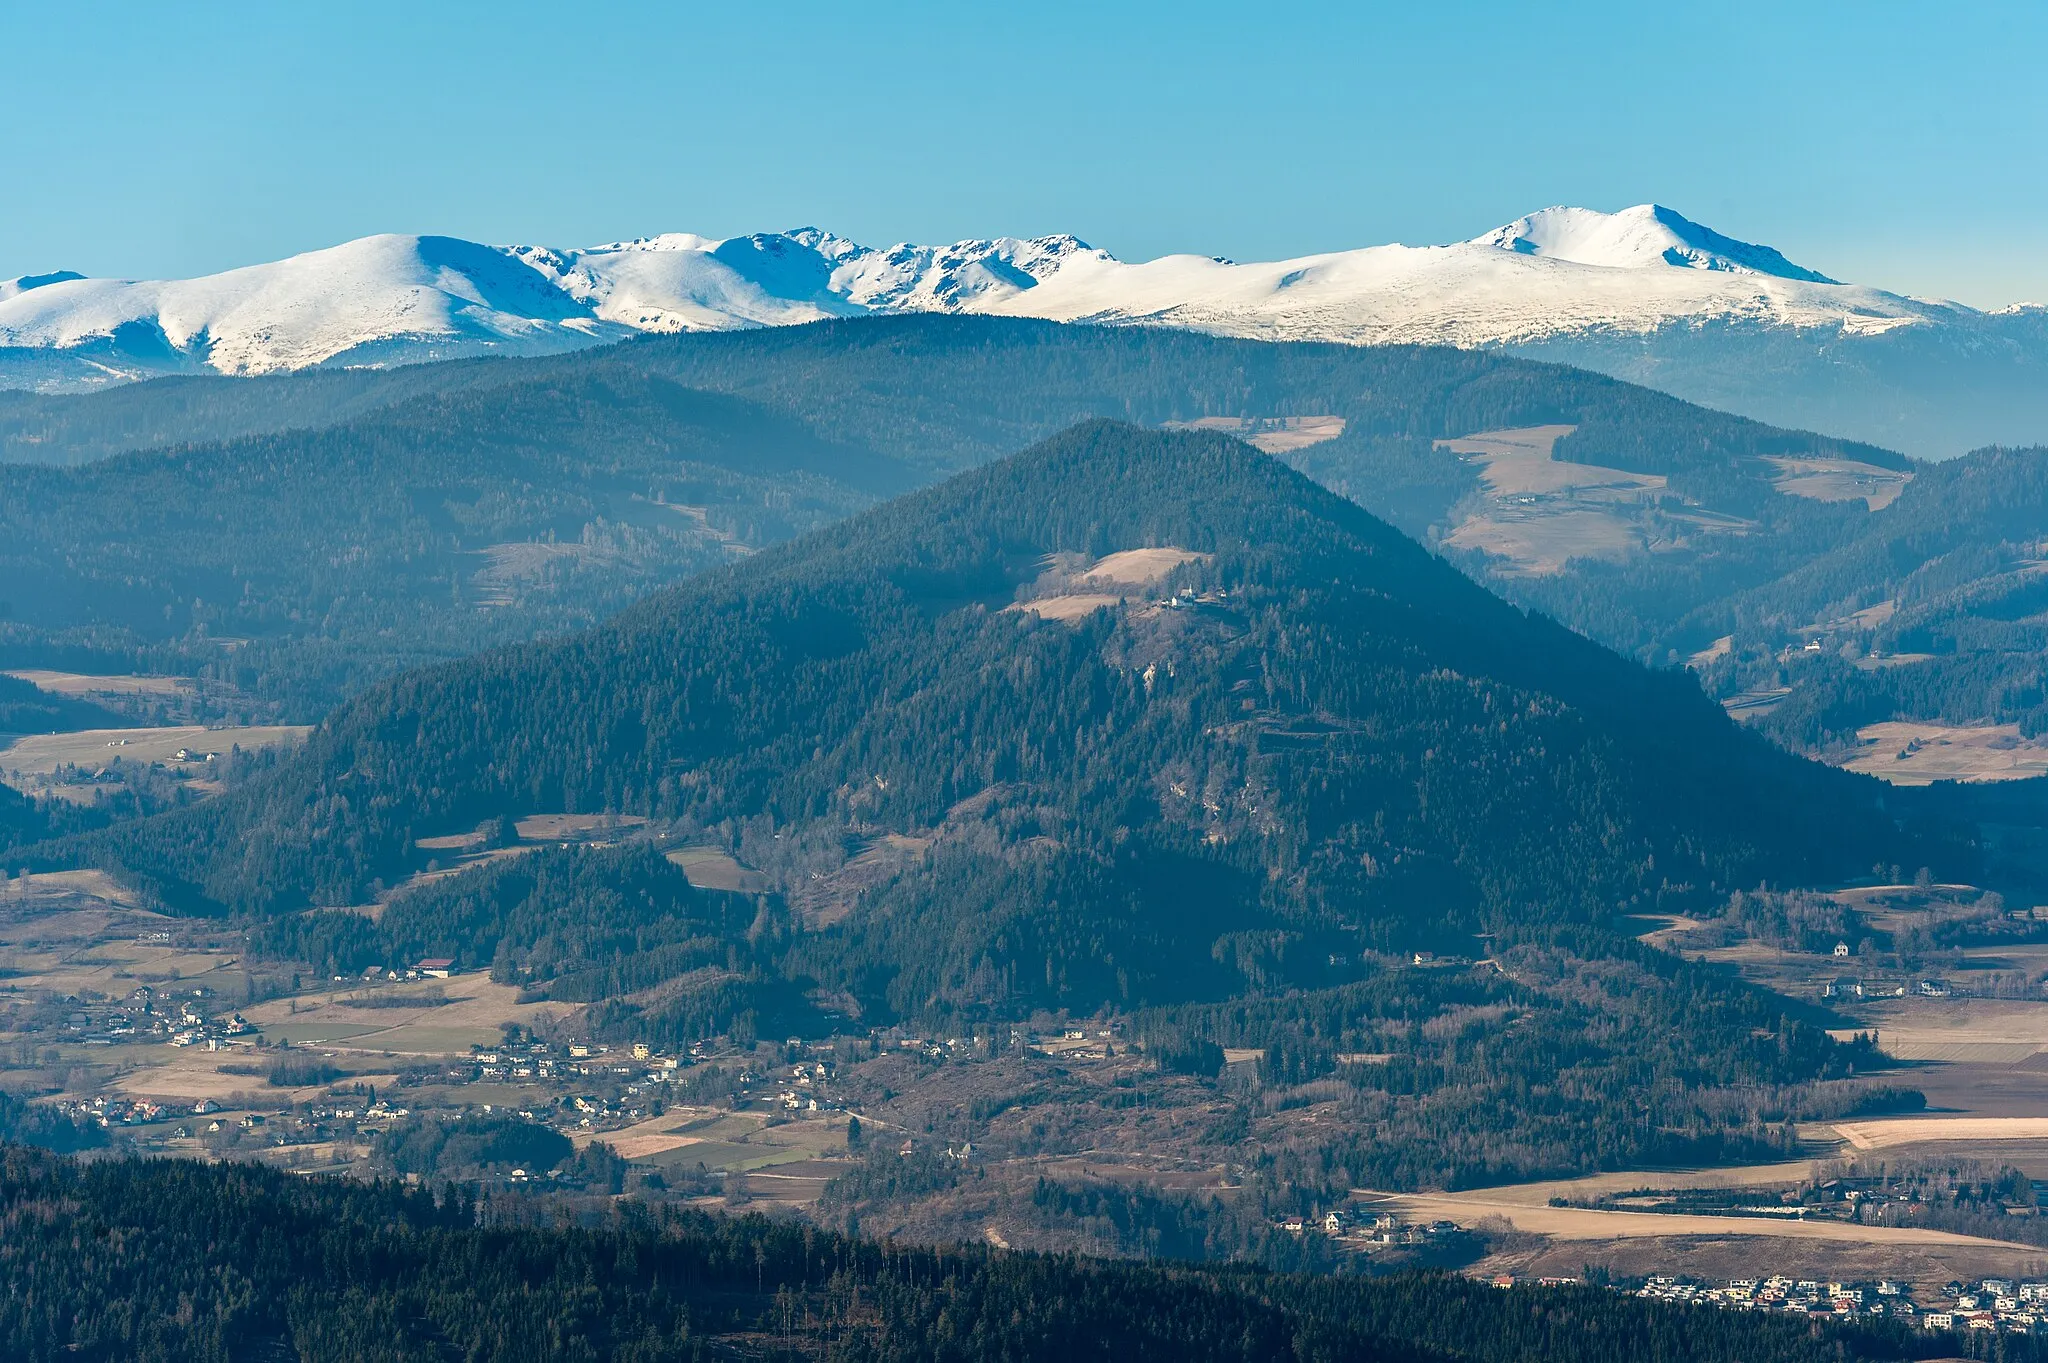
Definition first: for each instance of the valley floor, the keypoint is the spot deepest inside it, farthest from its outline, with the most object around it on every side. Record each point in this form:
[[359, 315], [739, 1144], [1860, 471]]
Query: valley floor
[[163, 1029]]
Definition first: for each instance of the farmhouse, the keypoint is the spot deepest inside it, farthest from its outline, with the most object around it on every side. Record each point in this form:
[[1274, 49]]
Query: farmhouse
[[437, 967]]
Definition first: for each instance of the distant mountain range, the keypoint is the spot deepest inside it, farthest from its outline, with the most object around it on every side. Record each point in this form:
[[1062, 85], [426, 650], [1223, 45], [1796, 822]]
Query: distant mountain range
[[1643, 294]]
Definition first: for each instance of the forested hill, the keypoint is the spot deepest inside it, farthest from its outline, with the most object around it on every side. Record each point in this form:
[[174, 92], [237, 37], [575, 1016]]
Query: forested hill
[[1309, 726], [298, 567], [170, 1261], [1948, 583]]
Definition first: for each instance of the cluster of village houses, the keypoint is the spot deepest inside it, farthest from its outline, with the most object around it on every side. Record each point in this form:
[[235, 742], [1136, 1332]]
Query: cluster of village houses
[[1992, 1304], [1382, 1228], [180, 1018]]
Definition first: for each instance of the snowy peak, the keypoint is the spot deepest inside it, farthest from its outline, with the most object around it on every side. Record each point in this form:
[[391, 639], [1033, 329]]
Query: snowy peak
[[1643, 237], [963, 277], [397, 299], [684, 282]]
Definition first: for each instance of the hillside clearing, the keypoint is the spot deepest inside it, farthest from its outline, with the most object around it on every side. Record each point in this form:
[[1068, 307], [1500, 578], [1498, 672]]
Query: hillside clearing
[[1915, 753], [84, 684], [1272, 434], [1839, 480], [92, 750]]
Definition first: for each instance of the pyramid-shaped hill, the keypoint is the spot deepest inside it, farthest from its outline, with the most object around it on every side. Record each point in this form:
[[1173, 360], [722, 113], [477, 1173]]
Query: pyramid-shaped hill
[[1104, 717]]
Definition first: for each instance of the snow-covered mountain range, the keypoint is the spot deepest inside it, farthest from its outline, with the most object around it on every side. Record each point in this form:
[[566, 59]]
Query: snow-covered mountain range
[[1643, 293]]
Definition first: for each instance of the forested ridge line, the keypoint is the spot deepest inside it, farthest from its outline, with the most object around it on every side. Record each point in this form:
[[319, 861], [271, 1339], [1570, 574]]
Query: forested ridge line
[[949, 385], [165, 1261]]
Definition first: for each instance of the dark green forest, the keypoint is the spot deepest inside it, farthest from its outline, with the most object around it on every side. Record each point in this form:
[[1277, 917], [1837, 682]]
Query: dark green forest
[[292, 569], [27, 709], [1959, 555], [168, 1261], [1613, 1056]]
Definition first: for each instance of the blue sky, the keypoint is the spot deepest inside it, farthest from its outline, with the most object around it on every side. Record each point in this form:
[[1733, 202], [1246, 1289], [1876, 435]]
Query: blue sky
[[1898, 145]]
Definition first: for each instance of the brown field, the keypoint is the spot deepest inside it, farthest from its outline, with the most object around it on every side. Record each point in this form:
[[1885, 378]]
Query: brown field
[[1720, 648], [1273, 434], [1787, 1174], [1068, 608], [1982, 1064], [473, 1015], [1540, 512], [84, 684], [788, 1162], [1985, 752], [1978, 1089], [1713, 1246], [465, 850], [1542, 542], [1583, 1223], [40, 755], [188, 1074], [453, 865], [1984, 1031], [657, 1137], [1880, 1135], [575, 827], [1069, 587], [1670, 925], [1839, 480], [798, 1182], [449, 842], [1138, 567], [700, 518], [1520, 463], [709, 868], [76, 932], [45, 892], [1714, 1256]]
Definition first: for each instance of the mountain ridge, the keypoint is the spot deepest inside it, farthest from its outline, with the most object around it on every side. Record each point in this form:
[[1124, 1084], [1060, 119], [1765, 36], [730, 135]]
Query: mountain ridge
[[1644, 294]]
